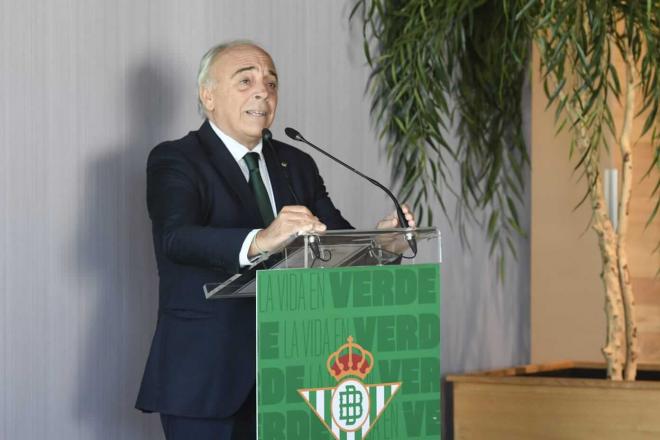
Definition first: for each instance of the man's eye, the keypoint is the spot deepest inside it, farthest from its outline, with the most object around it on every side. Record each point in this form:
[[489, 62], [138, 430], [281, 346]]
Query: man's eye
[[244, 81], [272, 85]]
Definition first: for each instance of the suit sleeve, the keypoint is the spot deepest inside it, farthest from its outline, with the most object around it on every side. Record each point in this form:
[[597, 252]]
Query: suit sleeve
[[176, 207], [323, 207]]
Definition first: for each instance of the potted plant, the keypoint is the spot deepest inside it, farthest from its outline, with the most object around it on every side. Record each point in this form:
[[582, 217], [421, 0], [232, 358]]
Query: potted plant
[[462, 64]]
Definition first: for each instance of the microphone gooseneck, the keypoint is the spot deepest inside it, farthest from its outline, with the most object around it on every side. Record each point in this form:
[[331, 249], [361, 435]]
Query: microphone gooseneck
[[267, 136], [296, 136]]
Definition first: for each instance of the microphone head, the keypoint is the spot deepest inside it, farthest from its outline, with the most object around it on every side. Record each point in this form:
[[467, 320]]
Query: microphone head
[[293, 134], [266, 134]]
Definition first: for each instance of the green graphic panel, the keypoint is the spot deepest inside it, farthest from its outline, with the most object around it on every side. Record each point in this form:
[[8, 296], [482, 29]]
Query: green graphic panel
[[385, 320]]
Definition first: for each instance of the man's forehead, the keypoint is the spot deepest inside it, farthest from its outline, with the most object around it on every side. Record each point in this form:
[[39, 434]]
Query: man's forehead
[[239, 57]]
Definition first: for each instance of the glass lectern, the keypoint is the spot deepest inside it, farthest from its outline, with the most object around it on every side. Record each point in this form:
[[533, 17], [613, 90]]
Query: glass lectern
[[338, 248]]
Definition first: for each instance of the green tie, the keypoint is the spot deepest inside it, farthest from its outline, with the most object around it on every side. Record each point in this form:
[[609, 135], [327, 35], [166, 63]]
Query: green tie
[[258, 188]]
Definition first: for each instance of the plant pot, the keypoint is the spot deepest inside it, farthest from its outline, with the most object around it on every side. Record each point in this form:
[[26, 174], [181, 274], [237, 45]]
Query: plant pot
[[567, 400]]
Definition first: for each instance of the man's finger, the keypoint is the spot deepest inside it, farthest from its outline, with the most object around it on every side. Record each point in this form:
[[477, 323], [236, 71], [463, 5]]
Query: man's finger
[[296, 208], [311, 227], [297, 218]]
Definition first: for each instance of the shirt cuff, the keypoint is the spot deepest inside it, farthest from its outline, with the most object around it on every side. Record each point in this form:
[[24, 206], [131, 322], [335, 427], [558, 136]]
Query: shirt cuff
[[243, 259]]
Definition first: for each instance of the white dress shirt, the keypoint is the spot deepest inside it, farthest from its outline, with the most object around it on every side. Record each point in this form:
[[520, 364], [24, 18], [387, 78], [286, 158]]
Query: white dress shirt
[[238, 152]]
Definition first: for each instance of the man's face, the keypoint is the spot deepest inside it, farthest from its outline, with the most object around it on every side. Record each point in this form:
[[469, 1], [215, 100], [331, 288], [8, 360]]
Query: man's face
[[243, 98]]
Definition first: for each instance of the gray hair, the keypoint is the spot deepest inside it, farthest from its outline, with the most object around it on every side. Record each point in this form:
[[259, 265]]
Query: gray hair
[[203, 78]]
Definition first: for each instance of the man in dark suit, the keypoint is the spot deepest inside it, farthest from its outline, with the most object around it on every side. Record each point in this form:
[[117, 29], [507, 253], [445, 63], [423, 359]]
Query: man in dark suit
[[219, 199]]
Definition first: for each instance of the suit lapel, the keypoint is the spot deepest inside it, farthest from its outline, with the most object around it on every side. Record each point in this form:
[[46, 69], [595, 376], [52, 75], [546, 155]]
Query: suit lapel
[[228, 169], [277, 179]]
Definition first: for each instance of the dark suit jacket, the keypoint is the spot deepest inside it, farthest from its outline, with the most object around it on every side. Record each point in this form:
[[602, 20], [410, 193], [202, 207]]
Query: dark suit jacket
[[202, 358]]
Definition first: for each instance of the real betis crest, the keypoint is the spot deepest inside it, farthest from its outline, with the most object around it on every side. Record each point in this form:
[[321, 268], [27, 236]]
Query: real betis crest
[[351, 408]]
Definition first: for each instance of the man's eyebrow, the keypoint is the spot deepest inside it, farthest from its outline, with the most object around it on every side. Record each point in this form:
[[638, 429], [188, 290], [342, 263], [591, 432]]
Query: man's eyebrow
[[245, 69]]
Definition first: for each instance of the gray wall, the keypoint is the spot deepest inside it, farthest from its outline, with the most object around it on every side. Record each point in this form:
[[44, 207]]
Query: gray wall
[[86, 89]]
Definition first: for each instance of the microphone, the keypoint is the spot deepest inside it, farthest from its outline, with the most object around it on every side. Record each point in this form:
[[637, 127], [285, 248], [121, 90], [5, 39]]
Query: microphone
[[267, 136], [410, 238]]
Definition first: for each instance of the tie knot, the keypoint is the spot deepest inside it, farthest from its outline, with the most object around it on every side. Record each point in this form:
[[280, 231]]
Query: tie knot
[[252, 161]]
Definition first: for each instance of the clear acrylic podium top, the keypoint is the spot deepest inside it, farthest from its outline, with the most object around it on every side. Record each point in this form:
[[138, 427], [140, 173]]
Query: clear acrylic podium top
[[338, 248]]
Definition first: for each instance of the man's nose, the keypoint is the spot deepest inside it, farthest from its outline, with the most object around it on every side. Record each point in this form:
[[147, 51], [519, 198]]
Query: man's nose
[[262, 95], [262, 91]]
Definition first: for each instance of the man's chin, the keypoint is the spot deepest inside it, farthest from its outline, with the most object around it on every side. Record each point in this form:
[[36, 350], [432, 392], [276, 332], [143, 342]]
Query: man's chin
[[252, 137], [255, 129]]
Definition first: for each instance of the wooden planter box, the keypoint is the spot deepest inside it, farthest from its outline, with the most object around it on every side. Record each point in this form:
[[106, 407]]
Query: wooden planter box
[[568, 400]]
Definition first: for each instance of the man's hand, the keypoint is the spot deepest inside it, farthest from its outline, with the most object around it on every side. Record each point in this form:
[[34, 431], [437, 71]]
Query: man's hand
[[290, 220], [392, 220]]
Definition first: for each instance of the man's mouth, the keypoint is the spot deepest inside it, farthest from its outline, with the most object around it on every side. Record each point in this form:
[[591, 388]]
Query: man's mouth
[[256, 113]]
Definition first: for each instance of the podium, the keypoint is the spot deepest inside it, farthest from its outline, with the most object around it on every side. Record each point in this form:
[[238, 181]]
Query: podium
[[348, 335]]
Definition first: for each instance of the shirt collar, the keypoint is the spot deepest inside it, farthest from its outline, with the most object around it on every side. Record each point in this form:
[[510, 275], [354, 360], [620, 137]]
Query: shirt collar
[[236, 149]]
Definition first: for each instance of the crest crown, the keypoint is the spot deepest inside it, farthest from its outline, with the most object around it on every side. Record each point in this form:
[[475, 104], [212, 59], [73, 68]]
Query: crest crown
[[351, 359]]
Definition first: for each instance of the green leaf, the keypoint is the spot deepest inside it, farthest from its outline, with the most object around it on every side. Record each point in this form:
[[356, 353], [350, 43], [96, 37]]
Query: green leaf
[[492, 222]]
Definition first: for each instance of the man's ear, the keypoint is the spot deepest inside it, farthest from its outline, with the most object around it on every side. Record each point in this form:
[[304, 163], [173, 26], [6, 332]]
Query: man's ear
[[206, 97]]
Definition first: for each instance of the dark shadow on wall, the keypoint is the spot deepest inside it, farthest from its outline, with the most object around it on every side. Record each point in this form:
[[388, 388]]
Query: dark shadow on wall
[[115, 250]]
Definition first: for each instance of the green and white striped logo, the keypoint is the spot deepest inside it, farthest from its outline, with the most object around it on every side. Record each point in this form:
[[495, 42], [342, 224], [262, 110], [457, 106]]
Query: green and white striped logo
[[350, 409]]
